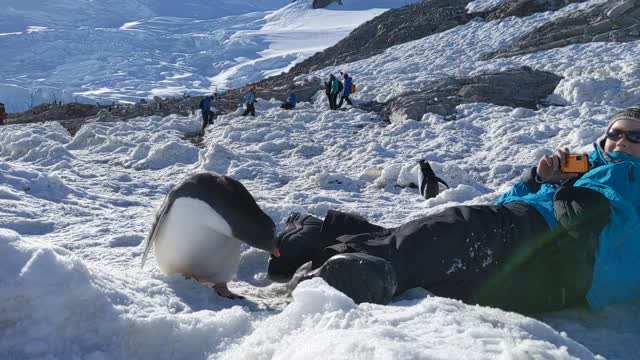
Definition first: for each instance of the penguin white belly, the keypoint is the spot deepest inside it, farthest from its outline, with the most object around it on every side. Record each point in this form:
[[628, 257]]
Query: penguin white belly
[[195, 240]]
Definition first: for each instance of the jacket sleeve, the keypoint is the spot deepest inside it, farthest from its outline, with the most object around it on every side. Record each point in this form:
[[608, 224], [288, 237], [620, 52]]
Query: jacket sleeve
[[526, 185]]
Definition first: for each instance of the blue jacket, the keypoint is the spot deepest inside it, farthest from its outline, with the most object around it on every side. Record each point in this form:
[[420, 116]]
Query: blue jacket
[[250, 97], [292, 99], [206, 103], [347, 86], [616, 276]]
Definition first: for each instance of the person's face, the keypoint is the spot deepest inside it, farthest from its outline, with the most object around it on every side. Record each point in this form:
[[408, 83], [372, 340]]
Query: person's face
[[623, 144]]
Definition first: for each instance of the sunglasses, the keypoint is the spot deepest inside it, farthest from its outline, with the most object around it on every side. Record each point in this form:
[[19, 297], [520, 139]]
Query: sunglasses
[[632, 136]]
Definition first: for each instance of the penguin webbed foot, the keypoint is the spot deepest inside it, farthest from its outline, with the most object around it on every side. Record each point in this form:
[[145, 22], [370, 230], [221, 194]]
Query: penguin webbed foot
[[222, 290]]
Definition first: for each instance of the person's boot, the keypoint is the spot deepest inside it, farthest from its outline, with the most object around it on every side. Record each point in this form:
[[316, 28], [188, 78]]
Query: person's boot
[[297, 244], [362, 277]]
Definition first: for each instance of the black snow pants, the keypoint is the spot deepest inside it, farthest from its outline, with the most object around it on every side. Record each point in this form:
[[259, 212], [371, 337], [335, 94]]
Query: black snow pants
[[343, 98], [496, 255], [207, 118], [332, 101], [251, 109]]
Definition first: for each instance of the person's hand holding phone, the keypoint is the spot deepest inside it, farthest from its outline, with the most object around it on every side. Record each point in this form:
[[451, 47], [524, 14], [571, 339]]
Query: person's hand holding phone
[[549, 168]]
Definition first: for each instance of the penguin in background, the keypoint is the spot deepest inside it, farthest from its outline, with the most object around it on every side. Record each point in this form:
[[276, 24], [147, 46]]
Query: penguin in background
[[428, 181], [200, 226]]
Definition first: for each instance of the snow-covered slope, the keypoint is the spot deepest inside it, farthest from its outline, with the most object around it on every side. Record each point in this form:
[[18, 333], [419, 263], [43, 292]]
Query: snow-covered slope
[[18, 15], [74, 212], [143, 49]]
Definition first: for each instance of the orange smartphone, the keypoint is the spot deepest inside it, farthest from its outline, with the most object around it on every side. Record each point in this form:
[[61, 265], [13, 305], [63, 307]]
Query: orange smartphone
[[576, 163]]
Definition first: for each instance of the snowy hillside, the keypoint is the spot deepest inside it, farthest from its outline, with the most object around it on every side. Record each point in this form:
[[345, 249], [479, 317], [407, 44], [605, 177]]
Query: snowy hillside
[[113, 13], [100, 51], [74, 211]]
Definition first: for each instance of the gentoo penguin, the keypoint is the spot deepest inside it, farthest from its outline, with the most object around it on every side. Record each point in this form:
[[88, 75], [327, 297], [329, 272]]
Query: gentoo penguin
[[200, 226], [428, 181]]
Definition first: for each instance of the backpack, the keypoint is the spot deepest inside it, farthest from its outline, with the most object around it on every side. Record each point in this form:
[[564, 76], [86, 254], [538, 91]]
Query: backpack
[[353, 88], [340, 86]]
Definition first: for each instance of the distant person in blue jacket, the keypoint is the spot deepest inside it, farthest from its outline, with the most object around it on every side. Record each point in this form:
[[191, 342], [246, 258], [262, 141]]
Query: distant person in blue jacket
[[348, 82], [207, 115], [555, 240], [250, 100], [291, 101]]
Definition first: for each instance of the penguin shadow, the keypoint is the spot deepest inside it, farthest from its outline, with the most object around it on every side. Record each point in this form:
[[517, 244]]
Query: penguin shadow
[[197, 296]]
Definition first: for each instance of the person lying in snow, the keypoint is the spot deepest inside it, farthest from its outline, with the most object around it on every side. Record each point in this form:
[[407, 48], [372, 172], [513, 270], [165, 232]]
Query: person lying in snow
[[555, 240]]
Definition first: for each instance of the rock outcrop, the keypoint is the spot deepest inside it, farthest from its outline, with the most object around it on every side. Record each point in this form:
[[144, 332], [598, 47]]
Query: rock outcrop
[[73, 115], [614, 21], [521, 87], [319, 4], [304, 90]]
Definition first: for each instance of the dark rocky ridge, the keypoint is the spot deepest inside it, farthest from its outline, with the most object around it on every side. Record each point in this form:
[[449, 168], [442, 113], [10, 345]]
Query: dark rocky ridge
[[613, 21], [73, 115]]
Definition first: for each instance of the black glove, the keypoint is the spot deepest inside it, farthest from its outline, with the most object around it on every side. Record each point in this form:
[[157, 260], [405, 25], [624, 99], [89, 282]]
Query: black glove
[[581, 211]]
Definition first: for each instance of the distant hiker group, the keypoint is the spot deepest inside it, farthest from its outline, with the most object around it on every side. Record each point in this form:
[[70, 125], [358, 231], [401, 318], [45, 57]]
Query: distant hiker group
[[335, 87]]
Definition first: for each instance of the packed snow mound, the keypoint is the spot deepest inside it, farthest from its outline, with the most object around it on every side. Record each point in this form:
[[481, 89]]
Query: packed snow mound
[[329, 324]]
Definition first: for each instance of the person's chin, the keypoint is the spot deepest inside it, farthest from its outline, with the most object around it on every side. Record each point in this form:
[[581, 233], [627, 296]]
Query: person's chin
[[623, 152]]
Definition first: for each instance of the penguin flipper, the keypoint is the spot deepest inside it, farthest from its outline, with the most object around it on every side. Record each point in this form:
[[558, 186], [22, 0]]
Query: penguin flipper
[[160, 217], [443, 182]]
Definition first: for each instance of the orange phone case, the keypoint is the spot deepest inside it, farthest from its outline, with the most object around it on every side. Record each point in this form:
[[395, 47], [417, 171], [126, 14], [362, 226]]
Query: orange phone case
[[576, 163]]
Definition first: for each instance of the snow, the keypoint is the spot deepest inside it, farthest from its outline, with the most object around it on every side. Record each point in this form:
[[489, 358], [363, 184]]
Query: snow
[[74, 212], [92, 51], [483, 5]]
